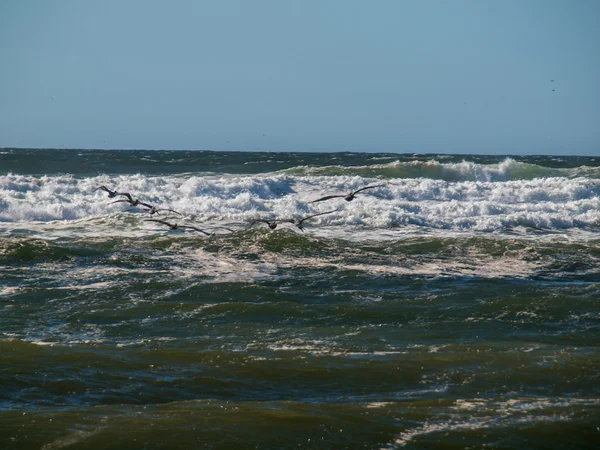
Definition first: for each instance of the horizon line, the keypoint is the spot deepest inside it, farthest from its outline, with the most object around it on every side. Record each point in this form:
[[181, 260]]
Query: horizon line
[[297, 151]]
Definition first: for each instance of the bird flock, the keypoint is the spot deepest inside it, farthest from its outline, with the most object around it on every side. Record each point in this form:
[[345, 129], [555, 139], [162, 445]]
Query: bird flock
[[271, 222]]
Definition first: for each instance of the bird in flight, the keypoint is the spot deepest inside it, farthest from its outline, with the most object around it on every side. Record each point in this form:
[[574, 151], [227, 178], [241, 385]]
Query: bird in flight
[[174, 226], [154, 210], [272, 223], [348, 197], [132, 202], [113, 194], [298, 222]]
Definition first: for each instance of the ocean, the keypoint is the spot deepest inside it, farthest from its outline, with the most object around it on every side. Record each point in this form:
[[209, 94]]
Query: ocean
[[456, 305]]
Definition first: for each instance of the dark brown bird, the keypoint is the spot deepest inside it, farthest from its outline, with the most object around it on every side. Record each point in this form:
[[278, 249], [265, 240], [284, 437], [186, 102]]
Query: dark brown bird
[[153, 210], [298, 222], [113, 194], [135, 202], [348, 197], [272, 223], [174, 226]]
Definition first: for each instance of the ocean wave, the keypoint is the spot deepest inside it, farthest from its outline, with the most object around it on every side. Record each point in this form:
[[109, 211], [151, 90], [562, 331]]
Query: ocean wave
[[551, 203], [178, 262], [507, 170]]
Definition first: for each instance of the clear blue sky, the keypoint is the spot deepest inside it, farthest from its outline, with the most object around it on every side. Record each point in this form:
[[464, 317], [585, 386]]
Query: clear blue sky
[[316, 75]]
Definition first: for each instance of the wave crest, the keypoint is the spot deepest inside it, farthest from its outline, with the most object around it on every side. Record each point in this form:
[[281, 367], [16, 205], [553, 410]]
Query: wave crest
[[549, 203], [507, 170]]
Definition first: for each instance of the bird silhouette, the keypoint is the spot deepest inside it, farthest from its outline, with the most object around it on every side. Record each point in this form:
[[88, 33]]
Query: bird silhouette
[[154, 210], [113, 194], [299, 222], [272, 223], [348, 197], [135, 202], [174, 226]]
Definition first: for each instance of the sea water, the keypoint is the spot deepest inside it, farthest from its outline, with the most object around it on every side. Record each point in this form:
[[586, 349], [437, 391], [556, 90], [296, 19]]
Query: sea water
[[457, 305]]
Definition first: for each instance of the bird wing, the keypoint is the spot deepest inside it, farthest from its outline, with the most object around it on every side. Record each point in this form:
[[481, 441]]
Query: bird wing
[[172, 210], [327, 197], [145, 204], [299, 225], [159, 221], [367, 187], [125, 194], [318, 214], [104, 188], [260, 220], [194, 228], [120, 201], [222, 228]]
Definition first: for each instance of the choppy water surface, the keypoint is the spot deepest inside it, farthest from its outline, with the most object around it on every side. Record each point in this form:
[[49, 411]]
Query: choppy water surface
[[457, 306]]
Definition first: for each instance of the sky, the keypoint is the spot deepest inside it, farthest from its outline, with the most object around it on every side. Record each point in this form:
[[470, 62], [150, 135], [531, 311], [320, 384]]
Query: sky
[[427, 76]]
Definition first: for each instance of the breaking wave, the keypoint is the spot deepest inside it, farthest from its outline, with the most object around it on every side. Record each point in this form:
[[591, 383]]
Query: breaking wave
[[551, 203], [507, 170]]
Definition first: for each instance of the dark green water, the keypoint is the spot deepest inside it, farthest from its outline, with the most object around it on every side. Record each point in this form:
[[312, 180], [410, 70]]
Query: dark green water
[[456, 307]]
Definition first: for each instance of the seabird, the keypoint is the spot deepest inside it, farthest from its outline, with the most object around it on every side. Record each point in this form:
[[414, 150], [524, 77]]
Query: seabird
[[348, 197], [174, 226], [272, 223], [153, 210], [113, 194], [135, 202], [298, 222]]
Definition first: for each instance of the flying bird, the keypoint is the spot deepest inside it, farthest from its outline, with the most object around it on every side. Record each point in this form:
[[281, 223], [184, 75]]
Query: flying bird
[[348, 197], [153, 210], [113, 194], [272, 223], [298, 222], [174, 226], [135, 202]]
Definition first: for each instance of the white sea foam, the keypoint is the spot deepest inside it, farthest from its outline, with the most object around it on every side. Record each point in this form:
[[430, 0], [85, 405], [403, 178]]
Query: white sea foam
[[481, 413], [76, 436], [545, 203], [483, 266], [7, 291]]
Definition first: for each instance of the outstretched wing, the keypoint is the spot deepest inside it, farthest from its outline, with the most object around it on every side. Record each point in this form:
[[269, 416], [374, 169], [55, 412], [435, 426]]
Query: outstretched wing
[[172, 210], [318, 214], [254, 221], [222, 228], [187, 227], [121, 201], [367, 187], [103, 188], [159, 221], [327, 197], [145, 204], [125, 194]]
